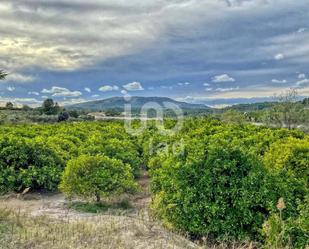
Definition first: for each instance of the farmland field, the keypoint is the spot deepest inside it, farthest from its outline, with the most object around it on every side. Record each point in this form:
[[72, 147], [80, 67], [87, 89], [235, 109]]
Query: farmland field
[[208, 184]]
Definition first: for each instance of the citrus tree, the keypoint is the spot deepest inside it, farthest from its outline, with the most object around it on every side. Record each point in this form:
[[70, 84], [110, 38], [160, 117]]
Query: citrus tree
[[97, 176]]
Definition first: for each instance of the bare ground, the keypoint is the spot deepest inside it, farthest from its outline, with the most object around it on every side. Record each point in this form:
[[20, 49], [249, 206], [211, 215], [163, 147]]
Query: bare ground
[[132, 228], [42, 221]]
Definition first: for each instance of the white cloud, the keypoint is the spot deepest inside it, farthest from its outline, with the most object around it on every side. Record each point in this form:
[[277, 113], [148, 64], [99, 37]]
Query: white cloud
[[208, 89], [222, 78], [124, 92], [301, 76], [87, 89], [302, 82], [257, 92], [226, 89], [95, 95], [206, 84], [301, 30], [20, 101], [11, 88], [166, 87], [188, 99], [279, 81], [108, 88], [279, 57], [34, 93], [133, 86], [16, 77], [71, 101], [57, 91]]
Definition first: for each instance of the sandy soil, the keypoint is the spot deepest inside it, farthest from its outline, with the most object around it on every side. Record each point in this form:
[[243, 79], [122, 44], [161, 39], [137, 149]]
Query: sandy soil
[[133, 227]]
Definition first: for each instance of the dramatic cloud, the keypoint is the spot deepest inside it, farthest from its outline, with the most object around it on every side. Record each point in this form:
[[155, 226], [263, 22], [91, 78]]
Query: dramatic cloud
[[222, 78], [57, 91], [134, 86], [159, 43], [108, 88]]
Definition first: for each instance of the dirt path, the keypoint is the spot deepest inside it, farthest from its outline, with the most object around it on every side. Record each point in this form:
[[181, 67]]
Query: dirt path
[[56, 205], [132, 228]]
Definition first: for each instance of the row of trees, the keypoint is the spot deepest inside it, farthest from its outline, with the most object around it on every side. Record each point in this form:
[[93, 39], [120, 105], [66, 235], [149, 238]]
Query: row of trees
[[36, 155], [227, 179], [48, 106], [288, 111]]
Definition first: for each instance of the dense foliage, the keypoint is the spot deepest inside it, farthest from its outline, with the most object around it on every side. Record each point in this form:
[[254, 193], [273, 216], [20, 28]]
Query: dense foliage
[[209, 179], [36, 155], [97, 176], [226, 180]]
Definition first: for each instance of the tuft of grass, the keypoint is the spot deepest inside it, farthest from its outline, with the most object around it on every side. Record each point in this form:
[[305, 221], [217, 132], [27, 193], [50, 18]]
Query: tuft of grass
[[99, 207]]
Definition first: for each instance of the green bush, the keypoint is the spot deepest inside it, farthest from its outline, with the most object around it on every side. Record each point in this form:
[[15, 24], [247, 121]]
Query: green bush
[[288, 233], [298, 228], [123, 150], [97, 176], [27, 163], [218, 189], [291, 156]]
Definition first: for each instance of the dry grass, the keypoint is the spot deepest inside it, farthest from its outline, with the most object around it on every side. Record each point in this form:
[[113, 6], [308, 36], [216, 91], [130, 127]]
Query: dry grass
[[51, 222], [102, 231], [20, 231]]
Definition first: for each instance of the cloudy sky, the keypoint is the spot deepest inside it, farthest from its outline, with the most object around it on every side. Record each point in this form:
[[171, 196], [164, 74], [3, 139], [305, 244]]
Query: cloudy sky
[[207, 51]]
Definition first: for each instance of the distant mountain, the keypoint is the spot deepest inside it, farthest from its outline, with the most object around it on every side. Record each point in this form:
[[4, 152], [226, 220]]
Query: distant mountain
[[118, 103]]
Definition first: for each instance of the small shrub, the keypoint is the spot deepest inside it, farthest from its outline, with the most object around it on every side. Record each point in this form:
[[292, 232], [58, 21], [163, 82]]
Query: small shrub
[[97, 176]]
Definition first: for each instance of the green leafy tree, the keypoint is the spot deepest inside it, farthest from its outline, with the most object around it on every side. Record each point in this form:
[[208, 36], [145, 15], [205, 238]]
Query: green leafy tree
[[73, 113], [9, 105], [233, 117], [63, 116], [2, 75], [120, 149], [49, 107], [27, 163], [97, 176], [217, 188], [26, 108], [288, 112], [289, 156]]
